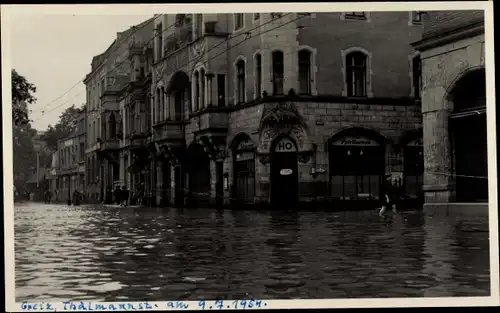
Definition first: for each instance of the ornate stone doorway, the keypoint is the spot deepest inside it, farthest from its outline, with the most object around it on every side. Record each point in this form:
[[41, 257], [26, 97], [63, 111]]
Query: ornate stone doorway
[[284, 173]]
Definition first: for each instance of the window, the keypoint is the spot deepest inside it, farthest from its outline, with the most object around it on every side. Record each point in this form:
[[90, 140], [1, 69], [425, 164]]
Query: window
[[238, 21], [221, 89], [356, 74], [305, 72], [417, 76], [417, 17], [159, 47], [82, 151], [198, 25], [278, 71], [355, 15], [256, 16], [112, 126], [202, 88], [196, 91], [240, 68], [258, 76]]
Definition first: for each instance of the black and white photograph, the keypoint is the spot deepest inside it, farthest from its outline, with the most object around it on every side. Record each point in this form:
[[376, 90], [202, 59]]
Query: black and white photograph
[[193, 157]]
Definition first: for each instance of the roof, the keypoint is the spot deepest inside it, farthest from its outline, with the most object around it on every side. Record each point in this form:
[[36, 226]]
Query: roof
[[441, 22]]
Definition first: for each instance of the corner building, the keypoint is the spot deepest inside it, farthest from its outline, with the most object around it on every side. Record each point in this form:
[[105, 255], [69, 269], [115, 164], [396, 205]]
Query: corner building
[[282, 108], [454, 110]]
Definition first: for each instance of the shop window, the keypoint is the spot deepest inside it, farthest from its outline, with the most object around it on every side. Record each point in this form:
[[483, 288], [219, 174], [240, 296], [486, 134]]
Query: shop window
[[357, 166]]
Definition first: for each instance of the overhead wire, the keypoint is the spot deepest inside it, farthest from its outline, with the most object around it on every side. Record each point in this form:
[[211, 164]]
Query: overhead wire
[[246, 33]]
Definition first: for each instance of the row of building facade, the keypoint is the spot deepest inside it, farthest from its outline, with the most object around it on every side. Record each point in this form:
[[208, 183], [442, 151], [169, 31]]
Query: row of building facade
[[280, 108]]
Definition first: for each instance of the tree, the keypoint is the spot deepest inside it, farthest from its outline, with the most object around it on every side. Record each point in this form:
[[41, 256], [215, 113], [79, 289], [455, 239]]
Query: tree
[[64, 127], [22, 95]]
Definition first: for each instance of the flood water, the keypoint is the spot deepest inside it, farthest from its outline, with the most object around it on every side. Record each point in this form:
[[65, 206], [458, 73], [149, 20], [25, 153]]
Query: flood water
[[138, 254]]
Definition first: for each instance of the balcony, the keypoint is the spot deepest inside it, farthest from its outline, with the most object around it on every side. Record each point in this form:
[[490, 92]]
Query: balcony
[[109, 144], [169, 131], [212, 121]]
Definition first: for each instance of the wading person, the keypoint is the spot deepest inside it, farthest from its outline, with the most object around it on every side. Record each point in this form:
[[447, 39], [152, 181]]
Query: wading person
[[390, 193], [124, 196]]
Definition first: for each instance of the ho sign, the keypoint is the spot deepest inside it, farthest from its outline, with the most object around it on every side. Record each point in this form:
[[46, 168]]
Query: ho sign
[[285, 145]]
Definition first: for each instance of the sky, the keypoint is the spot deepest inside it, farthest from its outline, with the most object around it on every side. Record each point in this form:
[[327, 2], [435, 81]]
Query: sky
[[54, 53]]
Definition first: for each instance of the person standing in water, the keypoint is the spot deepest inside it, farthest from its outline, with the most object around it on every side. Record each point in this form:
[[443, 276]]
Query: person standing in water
[[390, 193]]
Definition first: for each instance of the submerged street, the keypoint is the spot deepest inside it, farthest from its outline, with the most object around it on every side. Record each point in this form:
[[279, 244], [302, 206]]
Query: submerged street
[[146, 254]]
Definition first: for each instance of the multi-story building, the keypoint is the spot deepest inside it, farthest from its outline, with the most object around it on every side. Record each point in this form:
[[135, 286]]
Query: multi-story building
[[110, 73], [135, 159], [71, 161], [454, 108], [285, 107]]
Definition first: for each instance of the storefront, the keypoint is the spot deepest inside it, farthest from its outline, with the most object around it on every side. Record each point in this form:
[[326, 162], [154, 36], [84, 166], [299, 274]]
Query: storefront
[[197, 165], [244, 171], [357, 166]]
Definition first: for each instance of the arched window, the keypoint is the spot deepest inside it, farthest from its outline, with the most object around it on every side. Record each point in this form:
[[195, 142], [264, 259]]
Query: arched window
[[258, 75], [240, 68], [305, 72], [158, 105], [196, 91], [202, 89], [278, 72], [112, 126], [356, 74], [417, 76]]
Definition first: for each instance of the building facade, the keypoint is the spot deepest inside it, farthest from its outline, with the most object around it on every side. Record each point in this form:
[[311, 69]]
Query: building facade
[[284, 108], [71, 162], [110, 72], [454, 108]]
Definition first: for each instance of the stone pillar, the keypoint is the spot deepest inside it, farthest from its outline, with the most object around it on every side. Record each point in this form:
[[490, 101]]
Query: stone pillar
[[210, 95], [262, 179], [172, 183], [438, 182], [166, 106], [159, 181], [213, 181]]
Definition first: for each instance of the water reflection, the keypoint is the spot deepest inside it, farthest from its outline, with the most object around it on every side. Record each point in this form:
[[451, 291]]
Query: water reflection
[[63, 253]]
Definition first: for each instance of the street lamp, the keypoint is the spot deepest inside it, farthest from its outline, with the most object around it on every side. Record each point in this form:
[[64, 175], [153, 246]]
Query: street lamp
[[37, 148]]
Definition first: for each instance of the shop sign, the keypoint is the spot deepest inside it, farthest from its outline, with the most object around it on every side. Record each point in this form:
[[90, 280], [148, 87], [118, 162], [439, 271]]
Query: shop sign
[[355, 141], [243, 156], [286, 172], [416, 143], [285, 145], [245, 145]]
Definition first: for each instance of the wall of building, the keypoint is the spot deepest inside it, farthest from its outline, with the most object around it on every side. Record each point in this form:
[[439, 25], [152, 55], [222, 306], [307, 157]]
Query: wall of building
[[442, 67], [392, 122], [331, 35]]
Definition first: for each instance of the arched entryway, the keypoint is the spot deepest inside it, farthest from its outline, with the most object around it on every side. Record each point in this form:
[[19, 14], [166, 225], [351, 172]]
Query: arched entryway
[[469, 140], [284, 172], [178, 93], [357, 164], [243, 150], [197, 164]]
